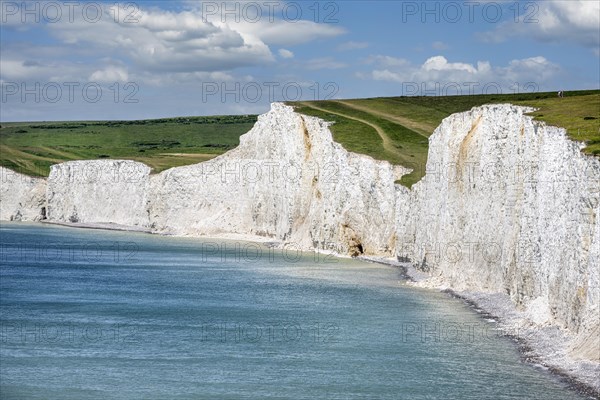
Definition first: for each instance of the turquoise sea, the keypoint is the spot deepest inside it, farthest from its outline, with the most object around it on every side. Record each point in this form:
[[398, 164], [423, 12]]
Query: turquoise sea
[[90, 314]]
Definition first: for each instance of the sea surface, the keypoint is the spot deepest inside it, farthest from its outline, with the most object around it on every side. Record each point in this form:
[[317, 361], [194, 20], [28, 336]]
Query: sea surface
[[91, 314]]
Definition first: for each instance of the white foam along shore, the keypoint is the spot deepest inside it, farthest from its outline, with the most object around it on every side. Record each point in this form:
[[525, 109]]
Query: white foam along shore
[[518, 216], [104, 226]]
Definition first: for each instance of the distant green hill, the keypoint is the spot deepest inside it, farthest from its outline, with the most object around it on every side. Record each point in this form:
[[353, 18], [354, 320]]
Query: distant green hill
[[31, 148], [395, 129]]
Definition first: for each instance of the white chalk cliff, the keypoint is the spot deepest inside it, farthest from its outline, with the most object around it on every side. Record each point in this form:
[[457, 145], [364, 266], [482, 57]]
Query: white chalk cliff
[[22, 198], [99, 191], [289, 181], [508, 205], [512, 198]]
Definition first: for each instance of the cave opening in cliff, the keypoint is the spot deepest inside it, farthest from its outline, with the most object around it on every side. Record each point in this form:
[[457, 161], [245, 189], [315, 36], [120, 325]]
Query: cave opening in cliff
[[356, 249], [359, 247]]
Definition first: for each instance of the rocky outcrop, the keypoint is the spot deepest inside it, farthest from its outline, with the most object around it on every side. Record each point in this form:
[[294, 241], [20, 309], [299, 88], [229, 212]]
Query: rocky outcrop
[[22, 198]]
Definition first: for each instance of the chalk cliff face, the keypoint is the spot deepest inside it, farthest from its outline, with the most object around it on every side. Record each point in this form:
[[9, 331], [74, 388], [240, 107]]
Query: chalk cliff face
[[288, 180], [508, 205], [22, 198], [112, 191]]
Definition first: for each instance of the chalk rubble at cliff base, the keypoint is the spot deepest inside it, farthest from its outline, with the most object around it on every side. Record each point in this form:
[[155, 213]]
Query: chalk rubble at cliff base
[[508, 205]]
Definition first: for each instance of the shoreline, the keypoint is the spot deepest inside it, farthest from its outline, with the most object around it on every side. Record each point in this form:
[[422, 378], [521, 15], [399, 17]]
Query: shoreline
[[98, 225], [543, 346], [529, 350]]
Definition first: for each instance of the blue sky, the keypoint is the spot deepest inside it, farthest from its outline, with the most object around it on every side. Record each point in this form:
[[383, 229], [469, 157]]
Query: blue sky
[[106, 60]]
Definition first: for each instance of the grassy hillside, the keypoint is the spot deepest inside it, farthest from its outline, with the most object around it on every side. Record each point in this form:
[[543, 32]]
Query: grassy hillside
[[163, 143], [396, 129], [580, 115]]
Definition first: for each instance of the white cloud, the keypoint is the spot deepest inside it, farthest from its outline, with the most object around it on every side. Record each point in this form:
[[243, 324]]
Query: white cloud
[[284, 53], [439, 63], [565, 21], [110, 74], [273, 23], [285, 33], [161, 43], [18, 68], [348, 46], [437, 70], [164, 41]]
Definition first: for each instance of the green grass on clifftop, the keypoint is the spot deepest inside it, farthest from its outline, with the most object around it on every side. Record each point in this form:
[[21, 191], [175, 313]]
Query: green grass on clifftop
[[31, 148], [396, 129], [579, 115]]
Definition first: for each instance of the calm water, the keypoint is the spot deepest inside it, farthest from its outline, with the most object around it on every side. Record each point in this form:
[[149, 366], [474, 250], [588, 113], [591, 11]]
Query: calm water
[[107, 315]]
